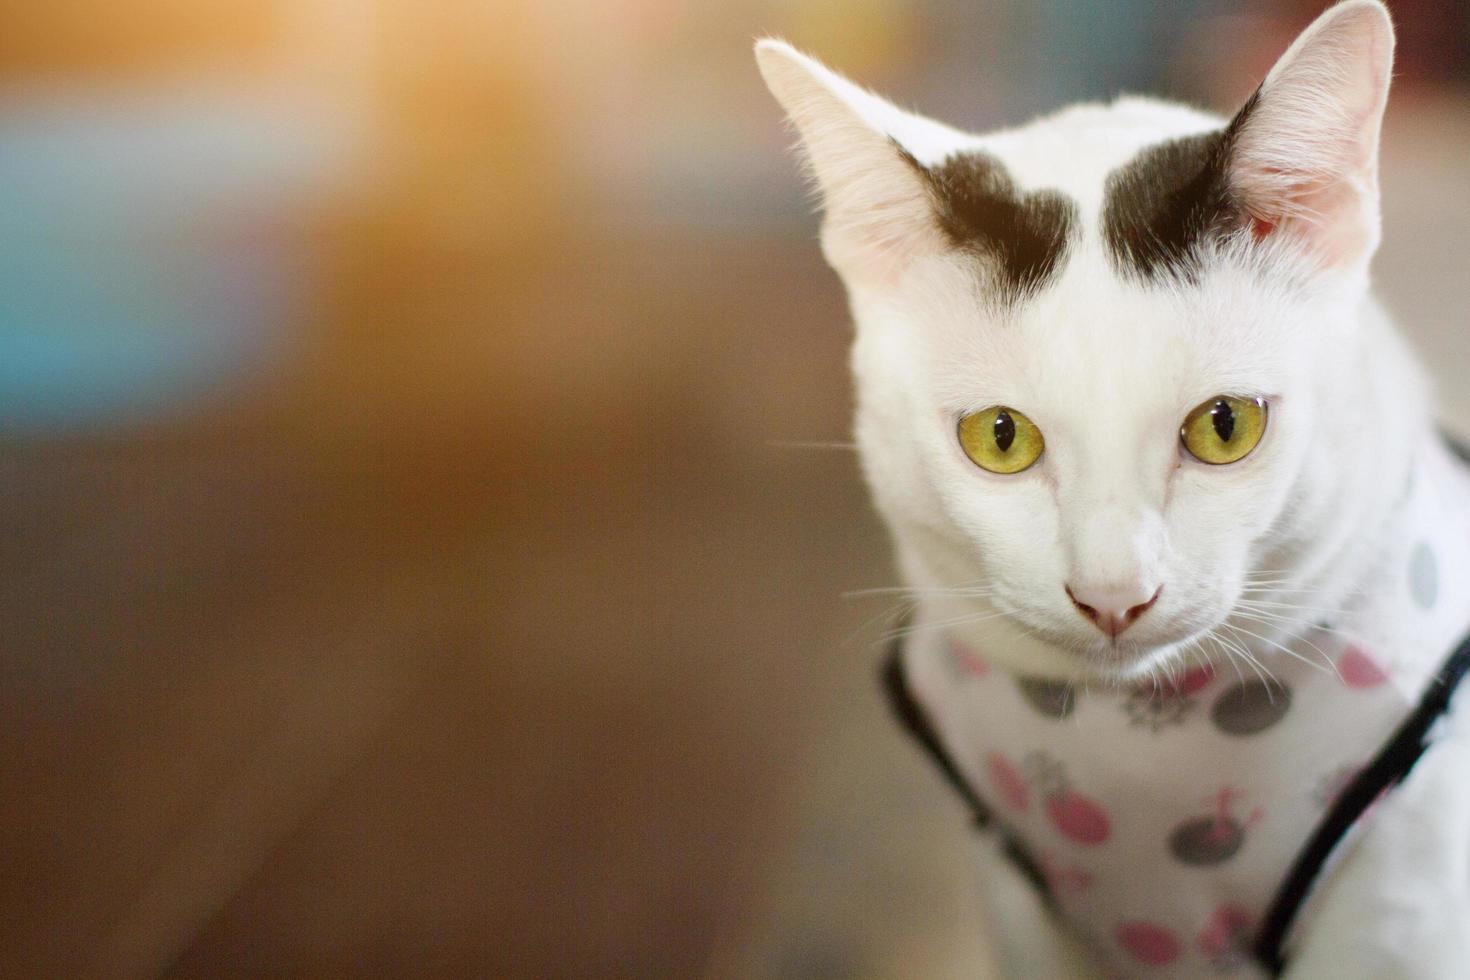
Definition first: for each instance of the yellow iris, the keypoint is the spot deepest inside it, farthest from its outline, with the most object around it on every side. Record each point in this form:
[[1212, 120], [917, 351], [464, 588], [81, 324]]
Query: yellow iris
[[1224, 429], [1000, 439]]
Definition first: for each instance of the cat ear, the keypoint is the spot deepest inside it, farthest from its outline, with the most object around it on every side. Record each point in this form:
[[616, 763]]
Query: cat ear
[[1304, 155], [878, 215]]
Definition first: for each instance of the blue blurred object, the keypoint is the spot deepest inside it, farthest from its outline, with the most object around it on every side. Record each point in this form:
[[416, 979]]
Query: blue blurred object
[[147, 257]]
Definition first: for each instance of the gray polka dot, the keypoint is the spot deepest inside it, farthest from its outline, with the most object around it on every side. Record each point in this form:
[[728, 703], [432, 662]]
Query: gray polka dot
[[1055, 699], [1423, 576], [1207, 840], [1250, 707]]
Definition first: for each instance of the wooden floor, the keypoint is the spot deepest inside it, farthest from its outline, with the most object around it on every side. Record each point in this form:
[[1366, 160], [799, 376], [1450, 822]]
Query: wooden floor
[[504, 635], [415, 679]]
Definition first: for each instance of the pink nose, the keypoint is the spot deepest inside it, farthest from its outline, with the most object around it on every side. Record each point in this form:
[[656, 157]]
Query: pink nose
[[1109, 609]]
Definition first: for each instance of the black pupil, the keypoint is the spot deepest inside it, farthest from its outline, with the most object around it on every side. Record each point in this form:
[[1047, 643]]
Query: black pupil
[[1224, 420], [1005, 431]]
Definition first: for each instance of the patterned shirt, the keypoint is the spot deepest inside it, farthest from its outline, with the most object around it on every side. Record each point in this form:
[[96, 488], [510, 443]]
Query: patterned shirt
[[1163, 817]]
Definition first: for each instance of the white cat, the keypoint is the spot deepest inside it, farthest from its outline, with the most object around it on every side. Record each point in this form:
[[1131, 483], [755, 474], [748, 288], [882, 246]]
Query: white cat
[[1186, 550]]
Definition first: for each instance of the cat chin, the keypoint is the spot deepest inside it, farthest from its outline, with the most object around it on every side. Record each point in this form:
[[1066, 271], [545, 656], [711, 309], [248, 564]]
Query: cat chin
[[1124, 665], [1156, 652], [1060, 654], [1149, 651]]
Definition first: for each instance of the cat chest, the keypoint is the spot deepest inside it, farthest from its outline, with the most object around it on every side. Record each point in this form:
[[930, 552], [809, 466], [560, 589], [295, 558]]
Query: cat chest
[[1161, 818]]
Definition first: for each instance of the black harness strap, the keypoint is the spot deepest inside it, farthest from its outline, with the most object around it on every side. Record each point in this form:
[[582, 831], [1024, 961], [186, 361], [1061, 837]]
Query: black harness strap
[[1390, 766], [1388, 769], [913, 719]]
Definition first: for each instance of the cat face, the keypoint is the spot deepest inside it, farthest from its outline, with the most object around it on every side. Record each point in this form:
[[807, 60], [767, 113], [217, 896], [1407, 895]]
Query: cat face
[[1097, 356], [1115, 511]]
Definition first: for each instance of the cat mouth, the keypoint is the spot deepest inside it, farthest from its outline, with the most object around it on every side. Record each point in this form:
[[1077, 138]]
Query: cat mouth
[[1126, 658], [1156, 641]]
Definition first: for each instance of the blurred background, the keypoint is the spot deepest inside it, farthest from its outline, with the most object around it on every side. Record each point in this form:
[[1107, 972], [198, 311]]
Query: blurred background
[[426, 505]]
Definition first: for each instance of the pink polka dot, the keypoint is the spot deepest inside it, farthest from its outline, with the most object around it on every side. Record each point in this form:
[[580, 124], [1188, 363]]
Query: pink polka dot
[[1359, 670], [1079, 818], [1148, 943], [1065, 879], [1228, 930], [1008, 781], [967, 660], [1191, 682], [1196, 679]]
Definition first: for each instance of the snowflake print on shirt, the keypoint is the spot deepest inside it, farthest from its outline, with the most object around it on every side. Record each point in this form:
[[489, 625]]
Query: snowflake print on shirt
[[1163, 705]]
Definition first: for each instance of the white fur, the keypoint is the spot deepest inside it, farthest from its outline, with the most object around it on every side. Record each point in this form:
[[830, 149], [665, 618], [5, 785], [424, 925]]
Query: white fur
[[877, 215], [1108, 366], [1310, 156]]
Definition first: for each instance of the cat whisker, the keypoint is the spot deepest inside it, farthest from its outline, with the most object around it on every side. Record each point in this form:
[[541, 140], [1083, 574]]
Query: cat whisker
[[1305, 623], [1288, 607], [962, 591], [1197, 649], [1295, 605], [1281, 589], [1229, 657], [1243, 648], [791, 444], [1327, 666], [895, 613], [966, 620], [1238, 653]]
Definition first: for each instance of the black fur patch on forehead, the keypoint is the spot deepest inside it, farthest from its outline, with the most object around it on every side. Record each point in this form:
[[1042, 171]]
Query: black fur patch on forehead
[[980, 210], [1161, 206]]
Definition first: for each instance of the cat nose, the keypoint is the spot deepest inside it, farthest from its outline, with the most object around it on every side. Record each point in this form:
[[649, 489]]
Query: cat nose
[[1112, 610]]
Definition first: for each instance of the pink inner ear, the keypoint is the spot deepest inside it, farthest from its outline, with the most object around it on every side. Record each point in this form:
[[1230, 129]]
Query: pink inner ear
[[1305, 159], [1330, 215]]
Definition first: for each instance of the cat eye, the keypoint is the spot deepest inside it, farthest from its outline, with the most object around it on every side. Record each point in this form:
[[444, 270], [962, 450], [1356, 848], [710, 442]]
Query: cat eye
[[1000, 439], [1224, 429]]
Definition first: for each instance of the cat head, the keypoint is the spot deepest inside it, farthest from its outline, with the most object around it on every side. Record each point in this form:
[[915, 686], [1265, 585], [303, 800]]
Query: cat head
[[1100, 357]]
